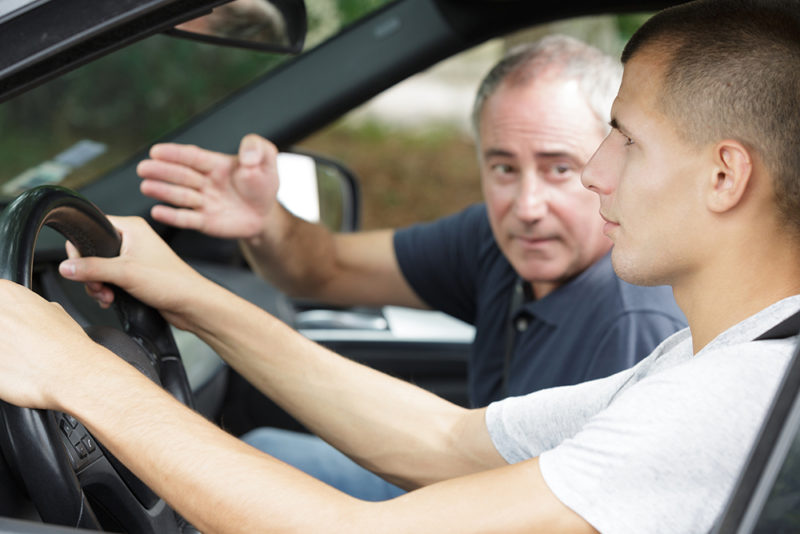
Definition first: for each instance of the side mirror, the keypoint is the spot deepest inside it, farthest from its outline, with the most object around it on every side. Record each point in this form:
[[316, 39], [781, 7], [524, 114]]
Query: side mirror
[[269, 25], [320, 190]]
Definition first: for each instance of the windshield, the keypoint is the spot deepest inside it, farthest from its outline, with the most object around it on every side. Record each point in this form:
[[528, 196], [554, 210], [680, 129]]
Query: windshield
[[73, 129]]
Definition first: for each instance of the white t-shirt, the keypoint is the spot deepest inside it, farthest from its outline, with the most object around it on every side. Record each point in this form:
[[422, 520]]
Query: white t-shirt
[[658, 447]]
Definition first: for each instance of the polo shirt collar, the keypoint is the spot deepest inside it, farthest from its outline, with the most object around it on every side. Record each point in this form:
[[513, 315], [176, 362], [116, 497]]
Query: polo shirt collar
[[559, 305]]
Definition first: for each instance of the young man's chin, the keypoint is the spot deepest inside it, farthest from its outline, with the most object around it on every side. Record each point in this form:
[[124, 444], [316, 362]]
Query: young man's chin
[[633, 270]]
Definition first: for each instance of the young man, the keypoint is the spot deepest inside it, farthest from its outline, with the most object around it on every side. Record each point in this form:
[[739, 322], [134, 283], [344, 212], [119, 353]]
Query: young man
[[700, 125], [539, 114]]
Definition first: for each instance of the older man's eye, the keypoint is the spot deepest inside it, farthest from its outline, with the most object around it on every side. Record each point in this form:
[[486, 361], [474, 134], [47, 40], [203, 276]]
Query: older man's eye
[[503, 172], [502, 168], [560, 171]]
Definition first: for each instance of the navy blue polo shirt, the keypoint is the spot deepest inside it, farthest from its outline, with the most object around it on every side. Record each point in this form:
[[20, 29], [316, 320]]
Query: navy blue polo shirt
[[591, 327]]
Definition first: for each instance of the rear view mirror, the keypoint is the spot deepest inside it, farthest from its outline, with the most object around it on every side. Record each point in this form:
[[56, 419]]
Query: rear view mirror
[[270, 25], [319, 190]]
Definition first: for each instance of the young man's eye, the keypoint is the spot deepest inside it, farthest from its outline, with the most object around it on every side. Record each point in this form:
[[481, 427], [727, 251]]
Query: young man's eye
[[615, 128]]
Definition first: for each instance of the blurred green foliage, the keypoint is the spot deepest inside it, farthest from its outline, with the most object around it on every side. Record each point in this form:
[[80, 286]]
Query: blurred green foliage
[[124, 100], [352, 10], [628, 24], [132, 97]]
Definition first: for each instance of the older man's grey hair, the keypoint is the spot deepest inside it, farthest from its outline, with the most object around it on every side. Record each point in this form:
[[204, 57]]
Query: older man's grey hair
[[598, 75]]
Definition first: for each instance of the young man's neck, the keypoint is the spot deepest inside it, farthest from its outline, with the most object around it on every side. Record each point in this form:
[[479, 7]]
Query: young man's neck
[[736, 288]]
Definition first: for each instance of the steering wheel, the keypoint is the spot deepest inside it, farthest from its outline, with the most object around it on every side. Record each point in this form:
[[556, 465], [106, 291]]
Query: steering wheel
[[71, 479]]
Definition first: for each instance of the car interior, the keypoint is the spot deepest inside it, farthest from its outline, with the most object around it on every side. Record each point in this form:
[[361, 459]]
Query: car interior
[[301, 82]]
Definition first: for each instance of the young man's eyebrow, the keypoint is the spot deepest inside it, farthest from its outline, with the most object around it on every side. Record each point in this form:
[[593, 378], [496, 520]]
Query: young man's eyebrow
[[614, 123]]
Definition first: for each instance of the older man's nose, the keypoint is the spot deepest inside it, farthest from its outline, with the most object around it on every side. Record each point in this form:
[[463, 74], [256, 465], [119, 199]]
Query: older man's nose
[[531, 202]]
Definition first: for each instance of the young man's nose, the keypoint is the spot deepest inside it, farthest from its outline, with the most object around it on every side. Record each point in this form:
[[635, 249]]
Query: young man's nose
[[597, 174]]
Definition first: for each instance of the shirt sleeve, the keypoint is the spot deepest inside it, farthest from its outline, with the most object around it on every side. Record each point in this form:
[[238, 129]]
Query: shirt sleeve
[[440, 260], [524, 427]]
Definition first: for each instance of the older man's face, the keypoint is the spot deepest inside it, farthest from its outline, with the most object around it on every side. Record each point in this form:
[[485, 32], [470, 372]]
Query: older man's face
[[534, 142]]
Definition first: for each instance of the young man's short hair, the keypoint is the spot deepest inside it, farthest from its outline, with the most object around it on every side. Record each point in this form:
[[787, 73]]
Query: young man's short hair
[[734, 73]]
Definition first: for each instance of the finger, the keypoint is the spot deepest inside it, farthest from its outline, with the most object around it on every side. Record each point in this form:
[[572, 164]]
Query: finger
[[104, 296], [193, 156], [180, 218], [176, 195], [170, 172], [94, 287]]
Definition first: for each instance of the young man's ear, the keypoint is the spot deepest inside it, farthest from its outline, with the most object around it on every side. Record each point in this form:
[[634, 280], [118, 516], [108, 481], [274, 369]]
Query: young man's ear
[[731, 174]]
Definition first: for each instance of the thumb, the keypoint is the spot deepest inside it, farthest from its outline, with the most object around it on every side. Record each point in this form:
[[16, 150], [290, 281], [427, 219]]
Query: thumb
[[90, 269], [251, 150], [93, 271]]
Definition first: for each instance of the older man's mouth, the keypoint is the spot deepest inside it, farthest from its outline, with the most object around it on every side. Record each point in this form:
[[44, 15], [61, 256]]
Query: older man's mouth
[[535, 241]]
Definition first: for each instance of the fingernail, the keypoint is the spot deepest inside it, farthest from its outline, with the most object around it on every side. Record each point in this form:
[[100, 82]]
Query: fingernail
[[67, 268], [250, 157]]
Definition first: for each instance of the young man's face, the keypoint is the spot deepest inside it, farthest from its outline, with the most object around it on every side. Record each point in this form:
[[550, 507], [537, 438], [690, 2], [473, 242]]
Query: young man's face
[[535, 140], [650, 184]]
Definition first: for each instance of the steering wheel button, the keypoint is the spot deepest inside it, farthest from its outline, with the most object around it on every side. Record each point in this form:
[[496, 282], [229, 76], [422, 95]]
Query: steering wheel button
[[80, 448], [65, 428], [88, 442], [71, 420]]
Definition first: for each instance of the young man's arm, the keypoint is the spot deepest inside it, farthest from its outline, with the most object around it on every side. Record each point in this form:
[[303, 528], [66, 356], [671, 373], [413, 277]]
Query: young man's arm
[[221, 484], [236, 197], [333, 396]]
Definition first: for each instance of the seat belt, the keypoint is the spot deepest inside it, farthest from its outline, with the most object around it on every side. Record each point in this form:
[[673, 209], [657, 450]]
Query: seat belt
[[787, 328]]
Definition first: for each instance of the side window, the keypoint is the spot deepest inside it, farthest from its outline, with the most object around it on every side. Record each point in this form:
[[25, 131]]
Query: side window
[[111, 108], [412, 147], [74, 128]]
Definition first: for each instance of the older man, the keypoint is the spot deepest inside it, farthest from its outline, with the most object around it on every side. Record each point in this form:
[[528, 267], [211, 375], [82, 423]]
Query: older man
[[530, 268], [700, 122], [539, 115]]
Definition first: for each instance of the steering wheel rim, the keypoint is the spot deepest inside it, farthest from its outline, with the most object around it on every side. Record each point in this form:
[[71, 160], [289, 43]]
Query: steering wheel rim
[[32, 439]]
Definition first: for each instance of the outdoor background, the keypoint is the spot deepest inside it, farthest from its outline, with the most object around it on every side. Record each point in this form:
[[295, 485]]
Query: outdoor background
[[411, 147]]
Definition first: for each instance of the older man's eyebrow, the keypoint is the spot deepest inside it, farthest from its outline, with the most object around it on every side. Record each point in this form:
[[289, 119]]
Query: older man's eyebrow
[[497, 153]]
